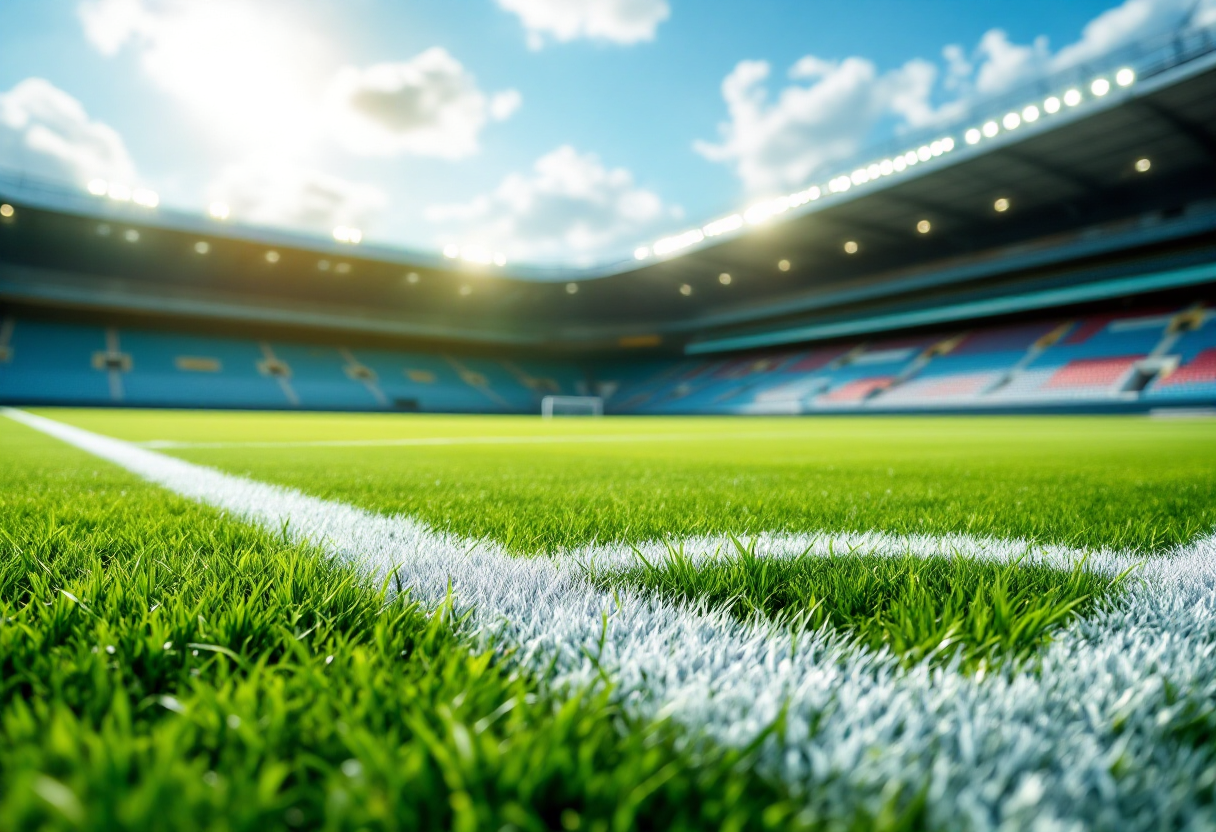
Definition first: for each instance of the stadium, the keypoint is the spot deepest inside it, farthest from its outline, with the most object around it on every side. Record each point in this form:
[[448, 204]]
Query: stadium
[[884, 502]]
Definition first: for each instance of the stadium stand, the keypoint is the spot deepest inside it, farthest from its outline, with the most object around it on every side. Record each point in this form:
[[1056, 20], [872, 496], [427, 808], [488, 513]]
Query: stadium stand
[[57, 363]]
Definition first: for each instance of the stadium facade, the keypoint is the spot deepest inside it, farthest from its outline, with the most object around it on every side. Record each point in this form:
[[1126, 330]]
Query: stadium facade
[[1054, 249]]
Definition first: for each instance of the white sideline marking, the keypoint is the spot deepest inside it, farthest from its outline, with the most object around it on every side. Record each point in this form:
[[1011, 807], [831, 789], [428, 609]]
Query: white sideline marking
[[167, 444], [1018, 751]]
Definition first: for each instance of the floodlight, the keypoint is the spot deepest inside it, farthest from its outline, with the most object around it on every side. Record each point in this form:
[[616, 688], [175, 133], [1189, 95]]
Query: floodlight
[[641, 253], [991, 128], [667, 245], [218, 210], [202, 247], [451, 251], [783, 265], [1011, 121], [1001, 205], [947, 144], [272, 257], [910, 157], [900, 164], [723, 226], [935, 147], [1072, 98], [119, 192], [500, 259], [1030, 114], [6, 210], [924, 153], [972, 136], [860, 177], [346, 234], [850, 247], [1125, 77], [1052, 105], [145, 197], [571, 288], [98, 187], [1100, 87], [923, 226], [874, 171], [1142, 165], [131, 235], [885, 167], [724, 279]]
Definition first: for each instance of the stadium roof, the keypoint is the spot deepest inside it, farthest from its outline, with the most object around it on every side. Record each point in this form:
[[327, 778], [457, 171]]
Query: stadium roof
[[1083, 217]]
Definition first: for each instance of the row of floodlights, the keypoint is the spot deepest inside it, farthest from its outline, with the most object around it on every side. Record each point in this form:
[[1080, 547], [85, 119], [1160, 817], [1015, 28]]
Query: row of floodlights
[[474, 254], [764, 211], [120, 192]]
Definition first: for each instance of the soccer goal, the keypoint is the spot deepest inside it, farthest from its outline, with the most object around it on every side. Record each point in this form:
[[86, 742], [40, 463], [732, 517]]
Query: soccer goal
[[551, 406]]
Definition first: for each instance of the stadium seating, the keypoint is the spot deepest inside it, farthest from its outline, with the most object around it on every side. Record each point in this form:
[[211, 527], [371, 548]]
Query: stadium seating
[[57, 363], [1155, 357]]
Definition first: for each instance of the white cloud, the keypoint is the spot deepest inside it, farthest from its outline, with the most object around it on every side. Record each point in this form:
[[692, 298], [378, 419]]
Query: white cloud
[[46, 132], [277, 194], [427, 106], [778, 144], [570, 207], [616, 21]]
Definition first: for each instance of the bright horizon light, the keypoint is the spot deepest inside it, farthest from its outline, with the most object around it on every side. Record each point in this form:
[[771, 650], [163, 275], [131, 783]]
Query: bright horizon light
[[218, 210]]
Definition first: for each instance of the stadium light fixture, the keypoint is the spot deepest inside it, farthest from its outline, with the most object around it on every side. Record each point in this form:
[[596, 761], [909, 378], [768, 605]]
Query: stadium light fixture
[[1125, 77], [1100, 87], [1051, 105], [7, 211], [783, 265], [412, 278], [991, 128], [724, 279], [765, 211], [218, 210], [723, 226], [641, 253], [668, 245], [476, 255], [346, 234], [874, 170], [911, 158], [1030, 114], [500, 259], [936, 148], [1001, 205], [146, 198], [1143, 165], [131, 235], [685, 289], [859, 177], [202, 247], [923, 226], [451, 251], [119, 192], [1011, 121], [272, 257], [98, 187], [972, 136], [1072, 98], [899, 164], [924, 153], [948, 144], [571, 288], [851, 247]]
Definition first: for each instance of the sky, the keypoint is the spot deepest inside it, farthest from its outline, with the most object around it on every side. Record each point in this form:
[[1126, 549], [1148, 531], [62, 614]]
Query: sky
[[561, 132]]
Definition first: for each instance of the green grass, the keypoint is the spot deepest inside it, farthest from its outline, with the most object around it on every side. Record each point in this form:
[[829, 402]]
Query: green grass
[[1124, 482], [164, 668], [940, 609]]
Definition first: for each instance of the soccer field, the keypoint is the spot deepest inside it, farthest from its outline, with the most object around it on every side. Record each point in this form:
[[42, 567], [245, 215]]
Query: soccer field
[[238, 620]]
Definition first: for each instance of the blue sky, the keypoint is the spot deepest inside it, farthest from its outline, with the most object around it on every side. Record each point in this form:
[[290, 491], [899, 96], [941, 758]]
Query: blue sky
[[564, 131]]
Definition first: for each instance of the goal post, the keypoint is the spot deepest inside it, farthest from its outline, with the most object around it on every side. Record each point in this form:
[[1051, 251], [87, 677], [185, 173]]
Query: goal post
[[551, 406]]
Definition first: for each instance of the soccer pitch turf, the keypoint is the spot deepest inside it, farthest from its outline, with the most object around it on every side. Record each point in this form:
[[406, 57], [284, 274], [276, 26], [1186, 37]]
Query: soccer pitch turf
[[642, 623]]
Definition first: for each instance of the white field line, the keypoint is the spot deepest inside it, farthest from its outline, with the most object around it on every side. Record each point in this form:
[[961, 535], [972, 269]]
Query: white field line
[[1084, 744], [423, 441]]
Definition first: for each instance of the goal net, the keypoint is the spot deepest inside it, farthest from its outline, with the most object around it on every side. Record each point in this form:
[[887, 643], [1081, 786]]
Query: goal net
[[551, 406]]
